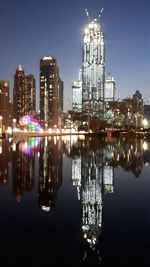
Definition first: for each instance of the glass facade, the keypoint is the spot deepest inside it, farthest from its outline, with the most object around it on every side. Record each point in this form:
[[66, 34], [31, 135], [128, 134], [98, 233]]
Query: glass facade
[[109, 88], [4, 105], [51, 92], [77, 96], [93, 70]]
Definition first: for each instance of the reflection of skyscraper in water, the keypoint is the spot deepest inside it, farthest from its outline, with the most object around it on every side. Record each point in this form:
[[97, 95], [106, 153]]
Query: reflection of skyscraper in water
[[76, 173], [23, 172], [4, 161], [108, 179], [50, 169], [92, 172], [91, 198]]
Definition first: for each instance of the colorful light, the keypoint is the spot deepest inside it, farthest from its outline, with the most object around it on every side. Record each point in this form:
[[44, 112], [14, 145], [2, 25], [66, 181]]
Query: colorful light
[[29, 146], [29, 121]]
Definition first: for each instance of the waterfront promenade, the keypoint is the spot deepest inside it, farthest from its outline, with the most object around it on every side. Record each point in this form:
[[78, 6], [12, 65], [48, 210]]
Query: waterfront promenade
[[104, 133]]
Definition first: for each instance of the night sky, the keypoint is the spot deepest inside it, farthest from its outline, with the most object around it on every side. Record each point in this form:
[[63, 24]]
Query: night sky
[[32, 29]]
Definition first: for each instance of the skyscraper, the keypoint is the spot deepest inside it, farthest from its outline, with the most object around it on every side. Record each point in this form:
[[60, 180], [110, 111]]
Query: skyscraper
[[19, 92], [51, 91], [110, 87], [60, 101], [4, 104], [93, 70], [30, 89], [24, 94], [77, 94]]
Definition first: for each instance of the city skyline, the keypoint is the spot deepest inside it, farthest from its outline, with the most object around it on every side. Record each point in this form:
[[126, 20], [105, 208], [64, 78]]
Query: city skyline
[[31, 31]]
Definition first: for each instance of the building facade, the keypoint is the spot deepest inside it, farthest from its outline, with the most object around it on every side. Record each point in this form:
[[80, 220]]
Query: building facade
[[137, 103], [19, 92], [77, 96], [4, 105], [60, 102], [110, 87], [30, 90], [93, 70], [24, 94], [51, 92]]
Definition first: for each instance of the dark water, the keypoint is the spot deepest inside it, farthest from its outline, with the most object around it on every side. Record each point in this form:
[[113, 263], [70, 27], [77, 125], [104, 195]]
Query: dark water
[[74, 202]]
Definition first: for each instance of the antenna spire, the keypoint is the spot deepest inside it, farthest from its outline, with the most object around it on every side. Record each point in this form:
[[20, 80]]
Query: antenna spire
[[99, 16], [87, 14]]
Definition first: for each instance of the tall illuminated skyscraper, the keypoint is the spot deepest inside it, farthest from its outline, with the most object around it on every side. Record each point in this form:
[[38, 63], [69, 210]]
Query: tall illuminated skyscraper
[[19, 92], [4, 105], [51, 94], [30, 89], [24, 94], [93, 70]]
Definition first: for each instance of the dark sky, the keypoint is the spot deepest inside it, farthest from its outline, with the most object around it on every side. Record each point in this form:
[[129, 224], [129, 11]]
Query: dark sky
[[31, 29]]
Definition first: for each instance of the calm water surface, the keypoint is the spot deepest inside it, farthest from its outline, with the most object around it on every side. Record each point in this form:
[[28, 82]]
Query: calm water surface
[[74, 201]]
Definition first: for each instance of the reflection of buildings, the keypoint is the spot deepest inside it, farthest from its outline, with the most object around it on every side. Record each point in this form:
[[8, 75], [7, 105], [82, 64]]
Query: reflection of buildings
[[93, 174], [4, 161], [50, 170], [76, 174], [129, 155], [97, 178], [23, 172]]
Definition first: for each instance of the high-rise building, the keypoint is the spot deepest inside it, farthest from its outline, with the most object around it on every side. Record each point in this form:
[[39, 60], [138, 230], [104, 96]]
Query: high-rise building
[[138, 108], [4, 105], [51, 92], [137, 103], [93, 70], [24, 94], [77, 94], [30, 89], [60, 102], [109, 92], [19, 92]]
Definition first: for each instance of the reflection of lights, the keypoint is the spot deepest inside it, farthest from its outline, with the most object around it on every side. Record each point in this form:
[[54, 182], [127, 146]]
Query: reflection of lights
[[50, 130], [9, 130], [145, 146], [14, 147], [145, 123], [86, 227], [46, 209], [31, 145], [46, 141], [55, 140]]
